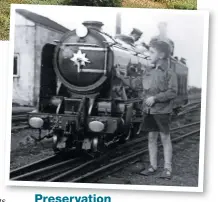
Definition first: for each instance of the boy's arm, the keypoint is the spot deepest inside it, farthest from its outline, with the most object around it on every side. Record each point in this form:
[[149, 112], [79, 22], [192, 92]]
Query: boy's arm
[[131, 82], [171, 92]]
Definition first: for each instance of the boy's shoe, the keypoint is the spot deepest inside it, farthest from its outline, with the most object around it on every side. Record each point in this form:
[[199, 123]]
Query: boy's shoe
[[166, 174], [149, 171]]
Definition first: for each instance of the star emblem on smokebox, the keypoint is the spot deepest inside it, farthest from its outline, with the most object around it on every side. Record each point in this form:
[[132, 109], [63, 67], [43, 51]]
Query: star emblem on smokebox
[[80, 59]]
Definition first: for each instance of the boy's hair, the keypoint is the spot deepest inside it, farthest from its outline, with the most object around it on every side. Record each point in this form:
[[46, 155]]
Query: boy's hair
[[161, 46]]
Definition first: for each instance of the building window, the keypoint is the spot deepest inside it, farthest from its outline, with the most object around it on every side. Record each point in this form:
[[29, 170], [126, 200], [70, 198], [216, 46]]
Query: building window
[[16, 65]]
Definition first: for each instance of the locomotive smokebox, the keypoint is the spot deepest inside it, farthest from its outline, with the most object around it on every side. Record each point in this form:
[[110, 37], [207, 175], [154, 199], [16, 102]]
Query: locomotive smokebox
[[83, 62], [93, 24]]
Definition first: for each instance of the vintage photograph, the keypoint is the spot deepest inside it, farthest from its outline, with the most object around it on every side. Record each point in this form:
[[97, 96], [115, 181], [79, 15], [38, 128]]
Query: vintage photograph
[[105, 96]]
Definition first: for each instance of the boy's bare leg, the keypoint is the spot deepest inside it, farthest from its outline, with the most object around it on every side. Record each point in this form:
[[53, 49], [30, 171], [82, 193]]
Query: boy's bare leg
[[167, 146], [152, 147]]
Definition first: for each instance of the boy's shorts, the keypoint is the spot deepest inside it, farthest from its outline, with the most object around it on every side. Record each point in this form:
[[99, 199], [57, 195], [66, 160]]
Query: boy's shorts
[[157, 122]]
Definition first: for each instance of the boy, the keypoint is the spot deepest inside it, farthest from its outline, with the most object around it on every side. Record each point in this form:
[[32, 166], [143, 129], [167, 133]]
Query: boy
[[159, 84]]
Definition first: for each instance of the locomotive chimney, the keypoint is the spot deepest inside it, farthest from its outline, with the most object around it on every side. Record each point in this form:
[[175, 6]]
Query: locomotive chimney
[[118, 23], [93, 24], [162, 26]]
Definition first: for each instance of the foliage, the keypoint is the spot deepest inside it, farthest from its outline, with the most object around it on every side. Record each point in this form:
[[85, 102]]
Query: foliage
[[143, 4], [5, 9], [5, 12], [108, 3], [179, 4], [172, 4], [182, 4]]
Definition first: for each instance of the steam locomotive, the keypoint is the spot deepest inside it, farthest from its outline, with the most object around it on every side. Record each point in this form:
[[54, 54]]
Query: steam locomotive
[[81, 100]]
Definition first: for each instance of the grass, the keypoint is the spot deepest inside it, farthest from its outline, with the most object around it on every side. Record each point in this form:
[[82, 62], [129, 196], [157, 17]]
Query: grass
[[172, 4], [144, 4], [5, 12], [182, 4]]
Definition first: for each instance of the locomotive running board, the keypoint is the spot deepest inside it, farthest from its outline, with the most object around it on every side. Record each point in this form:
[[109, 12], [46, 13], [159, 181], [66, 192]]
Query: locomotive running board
[[92, 48], [80, 44], [93, 70]]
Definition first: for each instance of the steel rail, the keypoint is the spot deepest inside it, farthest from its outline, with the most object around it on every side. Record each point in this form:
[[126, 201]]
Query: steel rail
[[57, 161], [51, 163], [126, 158], [48, 161], [41, 171]]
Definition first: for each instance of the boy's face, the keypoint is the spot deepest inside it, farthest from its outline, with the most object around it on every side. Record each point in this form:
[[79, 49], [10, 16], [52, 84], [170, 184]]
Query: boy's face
[[154, 55]]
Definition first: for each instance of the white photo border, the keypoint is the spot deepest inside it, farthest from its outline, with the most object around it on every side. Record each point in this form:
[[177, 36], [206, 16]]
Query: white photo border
[[8, 115]]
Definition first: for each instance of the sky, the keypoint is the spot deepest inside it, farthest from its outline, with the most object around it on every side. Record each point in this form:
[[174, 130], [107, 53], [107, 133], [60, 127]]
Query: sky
[[185, 28]]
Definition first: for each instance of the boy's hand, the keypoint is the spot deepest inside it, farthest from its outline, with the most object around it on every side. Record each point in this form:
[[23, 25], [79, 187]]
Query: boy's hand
[[150, 101]]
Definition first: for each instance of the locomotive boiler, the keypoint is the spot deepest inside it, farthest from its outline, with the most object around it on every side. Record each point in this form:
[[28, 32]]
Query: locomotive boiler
[[82, 104]]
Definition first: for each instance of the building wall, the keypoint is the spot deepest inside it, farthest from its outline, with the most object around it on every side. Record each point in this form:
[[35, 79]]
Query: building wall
[[24, 47], [30, 39], [43, 35]]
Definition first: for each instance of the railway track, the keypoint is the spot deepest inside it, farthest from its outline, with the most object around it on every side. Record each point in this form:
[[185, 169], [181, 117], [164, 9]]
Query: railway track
[[119, 163], [68, 168], [115, 164], [190, 107], [37, 169], [52, 160], [19, 118], [19, 127], [57, 169], [20, 121]]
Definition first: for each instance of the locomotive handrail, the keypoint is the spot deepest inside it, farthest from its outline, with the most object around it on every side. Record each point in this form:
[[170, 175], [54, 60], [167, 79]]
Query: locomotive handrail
[[108, 35], [105, 61], [133, 100], [134, 52], [120, 100], [118, 45], [110, 44], [80, 44], [92, 48], [93, 71]]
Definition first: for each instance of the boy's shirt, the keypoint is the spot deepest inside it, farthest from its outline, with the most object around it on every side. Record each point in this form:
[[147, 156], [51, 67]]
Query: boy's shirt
[[160, 82]]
